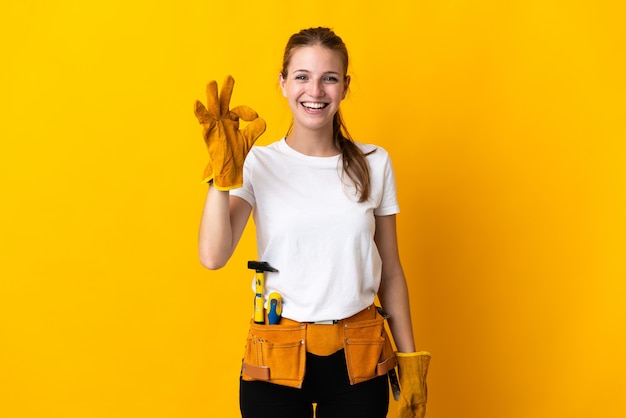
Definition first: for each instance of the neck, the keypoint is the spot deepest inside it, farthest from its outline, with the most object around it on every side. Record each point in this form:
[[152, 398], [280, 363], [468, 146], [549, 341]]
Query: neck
[[312, 143]]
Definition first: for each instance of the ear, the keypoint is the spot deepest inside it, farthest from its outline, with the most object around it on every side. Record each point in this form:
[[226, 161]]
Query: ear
[[282, 82], [346, 84]]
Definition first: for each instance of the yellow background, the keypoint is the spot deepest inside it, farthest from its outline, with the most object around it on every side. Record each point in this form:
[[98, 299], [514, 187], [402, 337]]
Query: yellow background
[[505, 121]]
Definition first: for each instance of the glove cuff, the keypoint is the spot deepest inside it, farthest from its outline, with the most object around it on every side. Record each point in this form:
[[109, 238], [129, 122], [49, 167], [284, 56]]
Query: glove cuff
[[414, 354]]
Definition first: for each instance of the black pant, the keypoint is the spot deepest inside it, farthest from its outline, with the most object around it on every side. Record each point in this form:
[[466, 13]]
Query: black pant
[[325, 383]]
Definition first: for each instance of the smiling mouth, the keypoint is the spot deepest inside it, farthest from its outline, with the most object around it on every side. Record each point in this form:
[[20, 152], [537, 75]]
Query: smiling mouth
[[314, 105]]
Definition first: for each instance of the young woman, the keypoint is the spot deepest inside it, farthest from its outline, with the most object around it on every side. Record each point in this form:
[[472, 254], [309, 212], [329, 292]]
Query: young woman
[[324, 208]]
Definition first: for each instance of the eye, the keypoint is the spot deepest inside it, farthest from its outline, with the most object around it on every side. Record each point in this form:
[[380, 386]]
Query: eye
[[301, 77], [331, 79]]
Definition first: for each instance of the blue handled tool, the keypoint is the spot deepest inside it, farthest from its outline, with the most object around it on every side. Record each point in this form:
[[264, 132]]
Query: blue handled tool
[[275, 304]]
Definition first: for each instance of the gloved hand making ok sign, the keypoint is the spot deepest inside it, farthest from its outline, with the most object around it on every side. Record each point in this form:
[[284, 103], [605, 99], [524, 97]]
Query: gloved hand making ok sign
[[226, 143]]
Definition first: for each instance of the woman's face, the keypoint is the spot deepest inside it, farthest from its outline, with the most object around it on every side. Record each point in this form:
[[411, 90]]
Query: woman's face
[[314, 86]]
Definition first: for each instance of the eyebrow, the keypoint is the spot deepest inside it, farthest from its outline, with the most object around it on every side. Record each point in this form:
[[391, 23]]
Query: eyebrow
[[325, 72]]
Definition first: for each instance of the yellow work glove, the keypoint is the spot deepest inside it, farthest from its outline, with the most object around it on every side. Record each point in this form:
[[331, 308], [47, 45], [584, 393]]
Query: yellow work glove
[[412, 371], [226, 143]]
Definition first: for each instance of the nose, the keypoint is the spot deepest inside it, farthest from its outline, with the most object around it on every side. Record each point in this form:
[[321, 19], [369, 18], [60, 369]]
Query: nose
[[316, 89]]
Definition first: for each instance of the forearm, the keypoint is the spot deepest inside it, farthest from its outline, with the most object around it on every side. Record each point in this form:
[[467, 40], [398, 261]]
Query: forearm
[[394, 298], [218, 233]]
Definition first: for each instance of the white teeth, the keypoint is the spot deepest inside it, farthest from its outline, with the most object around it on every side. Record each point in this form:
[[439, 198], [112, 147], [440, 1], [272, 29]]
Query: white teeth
[[312, 105]]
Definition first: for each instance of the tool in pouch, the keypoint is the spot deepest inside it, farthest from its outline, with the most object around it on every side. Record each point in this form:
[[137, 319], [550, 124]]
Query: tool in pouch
[[275, 305], [260, 267], [393, 377]]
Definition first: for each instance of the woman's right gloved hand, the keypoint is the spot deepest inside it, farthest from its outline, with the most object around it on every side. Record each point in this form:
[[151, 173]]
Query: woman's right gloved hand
[[226, 143], [412, 371]]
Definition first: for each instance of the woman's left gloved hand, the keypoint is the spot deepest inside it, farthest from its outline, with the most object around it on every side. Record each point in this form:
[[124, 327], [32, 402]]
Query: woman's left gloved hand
[[412, 371]]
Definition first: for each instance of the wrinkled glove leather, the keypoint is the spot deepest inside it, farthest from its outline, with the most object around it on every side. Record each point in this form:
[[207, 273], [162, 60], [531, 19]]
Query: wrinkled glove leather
[[412, 371], [226, 143]]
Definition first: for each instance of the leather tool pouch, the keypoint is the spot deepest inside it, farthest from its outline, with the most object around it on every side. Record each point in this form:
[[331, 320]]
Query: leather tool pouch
[[276, 354], [369, 352]]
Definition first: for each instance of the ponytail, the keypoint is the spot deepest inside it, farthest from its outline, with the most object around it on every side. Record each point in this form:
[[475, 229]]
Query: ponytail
[[354, 163]]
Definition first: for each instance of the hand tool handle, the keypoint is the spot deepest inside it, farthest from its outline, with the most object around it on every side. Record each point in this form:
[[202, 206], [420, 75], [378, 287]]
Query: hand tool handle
[[259, 312], [275, 307]]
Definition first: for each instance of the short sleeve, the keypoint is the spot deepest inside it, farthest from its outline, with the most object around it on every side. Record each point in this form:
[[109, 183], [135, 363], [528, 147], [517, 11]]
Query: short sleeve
[[389, 200], [246, 192]]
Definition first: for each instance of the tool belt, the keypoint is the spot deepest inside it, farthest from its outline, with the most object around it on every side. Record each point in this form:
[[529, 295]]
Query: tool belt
[[277, 353]]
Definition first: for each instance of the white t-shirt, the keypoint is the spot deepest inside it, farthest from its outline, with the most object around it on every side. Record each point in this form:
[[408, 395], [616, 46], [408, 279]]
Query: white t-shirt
[[312, 229]]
